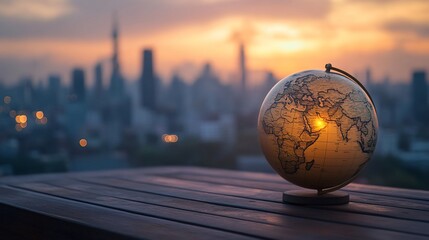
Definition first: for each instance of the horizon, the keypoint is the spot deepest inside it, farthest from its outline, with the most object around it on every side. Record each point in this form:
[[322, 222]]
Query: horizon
[[44, 37]]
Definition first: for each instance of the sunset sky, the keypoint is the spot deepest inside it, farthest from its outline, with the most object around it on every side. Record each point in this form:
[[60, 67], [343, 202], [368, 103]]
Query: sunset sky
[[39, 37]]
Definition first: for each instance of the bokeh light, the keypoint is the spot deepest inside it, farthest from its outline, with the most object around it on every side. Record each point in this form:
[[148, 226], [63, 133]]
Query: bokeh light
[[44, 120], [21, 118], [39, 114], [12, 113], [7, 99], [83, 142], [170, 138]]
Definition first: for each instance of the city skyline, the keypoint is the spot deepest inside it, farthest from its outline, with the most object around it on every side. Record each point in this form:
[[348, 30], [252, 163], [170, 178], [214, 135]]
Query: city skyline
[[283, 37], [93, 114]]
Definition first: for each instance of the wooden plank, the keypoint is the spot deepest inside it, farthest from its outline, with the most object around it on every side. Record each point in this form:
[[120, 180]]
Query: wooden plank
[[17, 223], [117, 172], [254, 229], [253, 193], [302, 225], [386, 211], [224, 194], [46, 217], [211, 196], [355, 196], [390, 191], [372, 189]]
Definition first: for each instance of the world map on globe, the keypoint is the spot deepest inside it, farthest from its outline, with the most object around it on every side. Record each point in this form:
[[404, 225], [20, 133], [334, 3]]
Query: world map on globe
[[317, 129]]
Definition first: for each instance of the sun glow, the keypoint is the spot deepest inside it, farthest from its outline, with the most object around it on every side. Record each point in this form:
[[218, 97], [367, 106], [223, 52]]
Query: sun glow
[[390, 30]]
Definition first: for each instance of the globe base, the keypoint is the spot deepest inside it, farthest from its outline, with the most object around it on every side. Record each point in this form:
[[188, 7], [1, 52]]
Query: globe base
[[310, 197]]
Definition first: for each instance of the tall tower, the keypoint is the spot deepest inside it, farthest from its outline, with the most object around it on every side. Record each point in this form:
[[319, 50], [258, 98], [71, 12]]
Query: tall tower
[[148, 81], [116, 81], [242, 70]]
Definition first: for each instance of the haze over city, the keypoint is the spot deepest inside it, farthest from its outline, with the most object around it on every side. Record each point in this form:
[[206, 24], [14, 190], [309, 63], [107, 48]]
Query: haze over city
[[93, 85], [41, 37]]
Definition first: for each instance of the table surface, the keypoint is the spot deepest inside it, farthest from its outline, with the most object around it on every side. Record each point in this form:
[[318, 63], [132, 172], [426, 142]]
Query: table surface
[[198, 203]]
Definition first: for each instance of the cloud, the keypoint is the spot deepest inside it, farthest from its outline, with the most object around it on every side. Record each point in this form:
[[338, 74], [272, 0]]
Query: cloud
[[402, 26], [244, 33], [39, 10], [92, 19], [13, 68]]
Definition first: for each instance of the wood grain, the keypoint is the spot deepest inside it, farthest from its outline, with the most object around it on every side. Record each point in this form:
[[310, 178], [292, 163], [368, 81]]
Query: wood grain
[[198, 203]]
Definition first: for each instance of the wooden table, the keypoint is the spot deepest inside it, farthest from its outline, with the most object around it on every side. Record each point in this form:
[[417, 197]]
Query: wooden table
[[198, 203]]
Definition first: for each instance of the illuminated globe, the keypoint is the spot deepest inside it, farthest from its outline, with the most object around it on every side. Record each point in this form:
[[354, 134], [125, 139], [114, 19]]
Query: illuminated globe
[[318, 129]]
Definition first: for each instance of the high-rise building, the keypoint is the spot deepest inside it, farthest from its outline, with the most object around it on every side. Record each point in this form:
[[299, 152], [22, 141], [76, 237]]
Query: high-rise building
[[177, 94], [116, 80], [243, 71], [98, 83], [207, 93], [54, 88], [76, 107], [98, 75], [270, 81], [177, 104], [28, 91], [77, 92], [148, 81], [420, 97], [97, 98], [368, 78]]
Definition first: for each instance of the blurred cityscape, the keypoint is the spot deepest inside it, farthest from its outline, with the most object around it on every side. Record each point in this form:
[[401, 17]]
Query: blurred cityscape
[[47, 126]]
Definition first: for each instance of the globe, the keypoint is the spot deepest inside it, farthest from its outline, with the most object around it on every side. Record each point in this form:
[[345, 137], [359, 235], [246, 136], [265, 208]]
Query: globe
[[318, 129]]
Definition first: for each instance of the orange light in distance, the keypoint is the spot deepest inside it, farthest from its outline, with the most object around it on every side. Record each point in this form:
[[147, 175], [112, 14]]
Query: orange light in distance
[[22, 118], [170, 138], [83, 143], [39, 115]]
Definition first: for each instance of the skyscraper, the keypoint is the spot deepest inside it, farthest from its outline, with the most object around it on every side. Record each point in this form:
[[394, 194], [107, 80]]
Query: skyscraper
[[207, 93], [54, 87], [243, 71], [368, 78], [97, 98], [420, 96], [148, 81], [116, 80], [98, 74], [77, 93], [76, 107]]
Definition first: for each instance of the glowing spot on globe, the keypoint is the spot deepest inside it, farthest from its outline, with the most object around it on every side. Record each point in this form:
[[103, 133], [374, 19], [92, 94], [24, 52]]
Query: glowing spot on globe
[[319, 124]]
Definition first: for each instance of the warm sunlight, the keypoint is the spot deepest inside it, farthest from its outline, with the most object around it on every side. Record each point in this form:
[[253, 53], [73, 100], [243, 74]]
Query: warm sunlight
[[282, 42]]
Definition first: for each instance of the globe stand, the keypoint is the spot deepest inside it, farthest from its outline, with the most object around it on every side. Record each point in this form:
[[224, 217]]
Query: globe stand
[[309, 197]]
